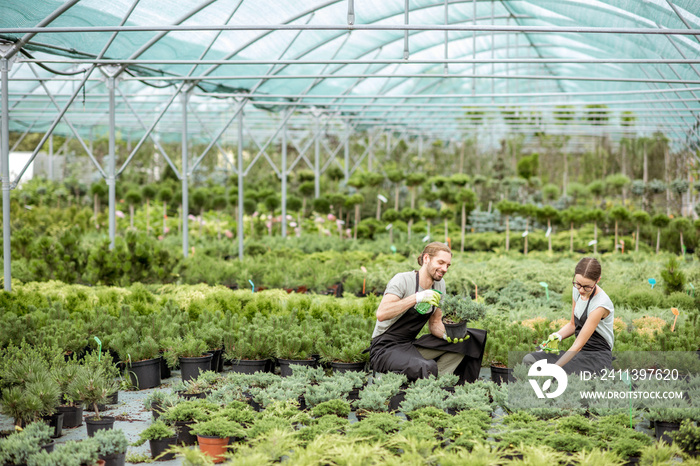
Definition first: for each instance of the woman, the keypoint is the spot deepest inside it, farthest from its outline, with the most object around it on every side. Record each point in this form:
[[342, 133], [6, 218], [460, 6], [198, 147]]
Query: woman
[[592, 316]]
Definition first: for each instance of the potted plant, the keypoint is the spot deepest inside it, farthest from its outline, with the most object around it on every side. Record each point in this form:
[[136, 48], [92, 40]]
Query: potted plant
[[212, 335], [158, 401], [250, 348], [213, 436], [184, 414], [84, 452], [20, 446], [667, 418], [29, 390], [687, 438], [456, 312], [160, 437], [344, 353], [92, 387], [188, 353], [375, 398], [294, 346], [112, 446], [141, 355], [29, 402], [64, 373], [340, 408]]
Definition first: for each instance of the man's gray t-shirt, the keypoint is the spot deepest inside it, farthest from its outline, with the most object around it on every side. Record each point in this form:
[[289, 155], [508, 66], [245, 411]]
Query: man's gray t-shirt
[[600, 299], [402, 285]]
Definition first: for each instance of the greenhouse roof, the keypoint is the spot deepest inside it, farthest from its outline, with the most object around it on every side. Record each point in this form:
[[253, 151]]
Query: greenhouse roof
[[445, 69]]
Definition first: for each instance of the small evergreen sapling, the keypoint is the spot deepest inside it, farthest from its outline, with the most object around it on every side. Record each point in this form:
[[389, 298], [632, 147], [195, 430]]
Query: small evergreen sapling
[[158, 430], [111, 441], [457, 309]]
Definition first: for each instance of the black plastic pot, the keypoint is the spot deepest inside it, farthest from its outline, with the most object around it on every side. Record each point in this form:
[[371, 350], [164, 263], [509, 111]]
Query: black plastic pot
[[55, 421], [183, 433], [249, 366], [501, 375], [458, 330], [341, 367], [286, 371], [72, 416], [396, 400], [144, 374], [117, 459], [48, 447], [103, 423], [217, 363], [113, 399], [165, 372], [190, 368], [354, 394], [663, 429], [161, 445]]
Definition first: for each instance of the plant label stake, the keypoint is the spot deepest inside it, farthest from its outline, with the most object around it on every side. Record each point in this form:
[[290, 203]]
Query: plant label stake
[[652, 282], [592, 242], [546, 289], [549, 232], [388, 227], [525, 233], [364, 280], [99, 348], [675, 313], [252, 284], [426, 238], [476, 290]]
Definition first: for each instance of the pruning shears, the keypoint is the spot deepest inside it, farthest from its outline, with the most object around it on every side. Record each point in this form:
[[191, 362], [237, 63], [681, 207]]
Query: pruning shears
[[551, 345]]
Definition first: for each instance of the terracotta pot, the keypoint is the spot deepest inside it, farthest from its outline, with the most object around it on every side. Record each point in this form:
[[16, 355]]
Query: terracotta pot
[[214, 447]]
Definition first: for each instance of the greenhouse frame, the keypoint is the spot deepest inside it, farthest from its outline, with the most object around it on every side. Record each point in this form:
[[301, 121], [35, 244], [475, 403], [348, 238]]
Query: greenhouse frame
[[229, 74]]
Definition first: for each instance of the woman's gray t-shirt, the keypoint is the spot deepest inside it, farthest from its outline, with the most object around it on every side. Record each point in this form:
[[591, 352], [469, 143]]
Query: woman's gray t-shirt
[[600, 299], [402, 285]]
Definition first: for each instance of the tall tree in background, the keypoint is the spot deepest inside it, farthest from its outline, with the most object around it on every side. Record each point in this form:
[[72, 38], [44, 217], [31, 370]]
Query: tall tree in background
[[619, 214], [659, 221], [467, 199], [148, 192], [639, 218], [396, 176], [165, 195], [595, 216], [507, 208]]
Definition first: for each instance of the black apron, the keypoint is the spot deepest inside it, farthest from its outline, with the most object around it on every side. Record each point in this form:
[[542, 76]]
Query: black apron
[[395, 350], [595, 355]]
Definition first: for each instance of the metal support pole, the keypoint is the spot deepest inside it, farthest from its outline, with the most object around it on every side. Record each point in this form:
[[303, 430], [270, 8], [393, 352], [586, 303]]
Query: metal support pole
[[284, 180], [51, 157], [111, 163], [240, 185], [405, 33], [185, 194], [317, 148], [5, 170], [346, 154], [351, 12]]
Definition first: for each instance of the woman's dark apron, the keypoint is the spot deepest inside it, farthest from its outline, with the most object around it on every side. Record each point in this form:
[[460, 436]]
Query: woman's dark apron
[[395, 350], [595, 355]]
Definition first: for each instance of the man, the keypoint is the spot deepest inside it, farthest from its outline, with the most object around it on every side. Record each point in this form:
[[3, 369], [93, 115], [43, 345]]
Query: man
[[401, 316]]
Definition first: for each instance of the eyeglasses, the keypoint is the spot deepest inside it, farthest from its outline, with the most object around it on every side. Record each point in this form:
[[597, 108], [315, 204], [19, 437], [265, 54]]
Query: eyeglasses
[[585, 288]]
